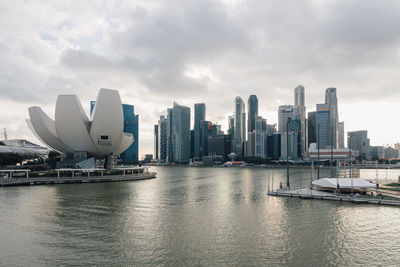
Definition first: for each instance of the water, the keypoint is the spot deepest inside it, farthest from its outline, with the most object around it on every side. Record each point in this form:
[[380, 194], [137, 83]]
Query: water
[[193, 216]]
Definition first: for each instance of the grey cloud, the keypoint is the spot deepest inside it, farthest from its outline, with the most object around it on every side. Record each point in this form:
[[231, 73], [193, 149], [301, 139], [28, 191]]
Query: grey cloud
[[256, 47]]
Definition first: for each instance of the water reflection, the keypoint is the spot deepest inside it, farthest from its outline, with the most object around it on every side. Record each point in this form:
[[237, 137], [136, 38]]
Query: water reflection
[[204, 216]]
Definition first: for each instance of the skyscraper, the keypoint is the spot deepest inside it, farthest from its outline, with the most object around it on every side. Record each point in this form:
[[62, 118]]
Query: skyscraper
[[260, 132], [199, 115], [252, 113], [156, 139], [131, 125], [162, 139], [299, 96], [220, 146], [331, 101], [284, 113], [239, 127], [206, 129], [178, 134], [341, 135], [322, 125], [358, 140], [299, 102], [311, 127]]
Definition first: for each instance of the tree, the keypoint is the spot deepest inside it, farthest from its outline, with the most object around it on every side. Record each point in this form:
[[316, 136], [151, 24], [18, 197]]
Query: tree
[[53, 158]]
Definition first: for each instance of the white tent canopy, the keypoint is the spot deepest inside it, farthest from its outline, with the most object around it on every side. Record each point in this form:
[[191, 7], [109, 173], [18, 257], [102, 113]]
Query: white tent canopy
[[343, 183]]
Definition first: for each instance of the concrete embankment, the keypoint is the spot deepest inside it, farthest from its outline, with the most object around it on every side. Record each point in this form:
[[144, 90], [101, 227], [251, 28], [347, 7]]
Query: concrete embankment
[[75, 180]]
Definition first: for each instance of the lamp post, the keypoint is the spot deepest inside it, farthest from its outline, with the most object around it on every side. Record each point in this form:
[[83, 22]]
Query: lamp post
[[331, 156], [318, 149], [287, 153], [351, 165]]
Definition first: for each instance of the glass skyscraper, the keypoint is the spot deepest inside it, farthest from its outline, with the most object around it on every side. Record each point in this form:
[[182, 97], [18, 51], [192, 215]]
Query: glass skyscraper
[[199, 115], [131, 125], [252, 106], [239, 127], [178, 134], [322, 123]]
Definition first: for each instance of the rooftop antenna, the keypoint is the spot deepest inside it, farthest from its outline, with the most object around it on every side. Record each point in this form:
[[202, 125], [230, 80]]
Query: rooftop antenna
[[5, 134]]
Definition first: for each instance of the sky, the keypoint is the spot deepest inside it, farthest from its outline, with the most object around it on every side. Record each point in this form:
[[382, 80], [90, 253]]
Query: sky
[[158, 52]]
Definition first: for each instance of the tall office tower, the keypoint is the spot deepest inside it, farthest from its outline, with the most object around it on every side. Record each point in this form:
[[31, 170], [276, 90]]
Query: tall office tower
[[231, 130], [231, 126], [311, 127], [358, 140], [250, 144], [331, 100], [322, 125], [199, 115], [271, 129], [341, 134], [299, 96], [169, 135], [299, 102], [162, 139], [156, 139], [179, 134], [220, 146], [131, 125], [192, 144], [260, 132], [252, 113], [206, 129], [239, 127], [397, 147], [284, 113]]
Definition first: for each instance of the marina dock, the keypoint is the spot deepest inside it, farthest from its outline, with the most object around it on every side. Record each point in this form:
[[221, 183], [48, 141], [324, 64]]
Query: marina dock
[[308, 193]]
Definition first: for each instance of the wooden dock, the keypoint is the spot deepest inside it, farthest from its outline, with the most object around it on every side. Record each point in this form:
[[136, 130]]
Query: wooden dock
[[307, 193], [75, 180]]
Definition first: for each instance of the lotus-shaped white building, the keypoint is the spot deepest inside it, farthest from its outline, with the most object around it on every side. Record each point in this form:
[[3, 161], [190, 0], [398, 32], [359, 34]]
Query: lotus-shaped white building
[[72, 132]]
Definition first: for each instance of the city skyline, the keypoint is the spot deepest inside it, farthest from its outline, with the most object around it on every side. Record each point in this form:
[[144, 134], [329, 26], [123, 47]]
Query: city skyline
[[147, 53]]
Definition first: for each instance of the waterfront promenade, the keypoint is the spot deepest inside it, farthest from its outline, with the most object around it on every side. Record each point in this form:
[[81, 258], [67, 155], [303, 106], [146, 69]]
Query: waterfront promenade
[[74, 180]]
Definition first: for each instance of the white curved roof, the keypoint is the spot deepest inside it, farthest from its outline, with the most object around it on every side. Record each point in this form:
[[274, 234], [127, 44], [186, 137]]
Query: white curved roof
[[107, 120], [343, 183], [45, 129], [72, 124], [72, 131], [126, 142]]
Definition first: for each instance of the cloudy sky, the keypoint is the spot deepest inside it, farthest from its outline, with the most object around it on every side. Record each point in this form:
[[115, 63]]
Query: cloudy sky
[[157, 52]]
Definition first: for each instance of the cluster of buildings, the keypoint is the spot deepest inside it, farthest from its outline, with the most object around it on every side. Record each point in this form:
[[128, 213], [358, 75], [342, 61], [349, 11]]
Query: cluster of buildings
[[298, 136]]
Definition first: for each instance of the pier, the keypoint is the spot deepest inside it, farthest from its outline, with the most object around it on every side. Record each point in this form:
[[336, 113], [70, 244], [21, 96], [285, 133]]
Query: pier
[[309, 193], [86, 176]]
